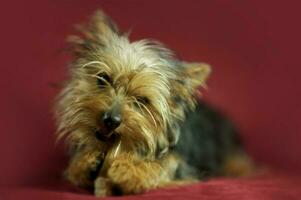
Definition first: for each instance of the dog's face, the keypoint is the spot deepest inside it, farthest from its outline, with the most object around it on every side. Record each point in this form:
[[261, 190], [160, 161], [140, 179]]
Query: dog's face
[[123, 90]]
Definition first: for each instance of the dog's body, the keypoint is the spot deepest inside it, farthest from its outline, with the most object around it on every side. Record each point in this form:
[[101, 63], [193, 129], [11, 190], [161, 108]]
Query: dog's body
[[206, 140], [133, 120]]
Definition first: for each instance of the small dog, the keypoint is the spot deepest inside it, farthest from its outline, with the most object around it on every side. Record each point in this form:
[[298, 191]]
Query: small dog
[[132, 119]]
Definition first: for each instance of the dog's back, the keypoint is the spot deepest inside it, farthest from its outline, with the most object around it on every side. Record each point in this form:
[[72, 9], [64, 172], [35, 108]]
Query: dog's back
[[206, 141]]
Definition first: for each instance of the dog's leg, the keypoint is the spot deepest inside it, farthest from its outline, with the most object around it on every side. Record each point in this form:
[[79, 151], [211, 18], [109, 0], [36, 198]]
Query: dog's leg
[[81, 168], [132, 175]]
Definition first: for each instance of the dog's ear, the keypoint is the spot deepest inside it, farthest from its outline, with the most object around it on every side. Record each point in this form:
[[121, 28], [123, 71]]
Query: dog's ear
[[102, 27], [195, 75], [191, 76], [101, 31]]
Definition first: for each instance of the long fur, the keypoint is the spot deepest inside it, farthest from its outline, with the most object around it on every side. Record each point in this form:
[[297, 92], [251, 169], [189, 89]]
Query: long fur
[[157, 97]]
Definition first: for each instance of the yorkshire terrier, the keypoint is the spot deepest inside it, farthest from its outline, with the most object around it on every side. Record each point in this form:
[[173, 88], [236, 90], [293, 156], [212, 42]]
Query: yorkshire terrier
[[132, 117]]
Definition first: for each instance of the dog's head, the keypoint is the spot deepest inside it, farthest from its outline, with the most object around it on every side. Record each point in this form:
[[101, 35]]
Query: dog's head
[[123, 90]]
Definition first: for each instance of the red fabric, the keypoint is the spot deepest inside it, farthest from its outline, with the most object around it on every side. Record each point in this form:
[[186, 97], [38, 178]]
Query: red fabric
[[274, 186], [254, 49]]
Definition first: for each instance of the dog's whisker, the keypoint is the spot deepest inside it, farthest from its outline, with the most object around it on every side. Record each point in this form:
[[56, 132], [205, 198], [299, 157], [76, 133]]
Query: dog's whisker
[[94, 62], [137, 103], [149, 112]]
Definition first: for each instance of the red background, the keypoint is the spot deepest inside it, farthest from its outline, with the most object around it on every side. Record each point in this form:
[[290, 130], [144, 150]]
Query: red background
[[253, 46]]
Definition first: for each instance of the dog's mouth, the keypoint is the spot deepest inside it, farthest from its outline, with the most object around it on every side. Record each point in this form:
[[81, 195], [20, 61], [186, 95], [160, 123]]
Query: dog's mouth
[[104, 136]]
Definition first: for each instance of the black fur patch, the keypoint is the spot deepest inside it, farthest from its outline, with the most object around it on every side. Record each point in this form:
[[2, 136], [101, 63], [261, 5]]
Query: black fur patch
[[206, 139]]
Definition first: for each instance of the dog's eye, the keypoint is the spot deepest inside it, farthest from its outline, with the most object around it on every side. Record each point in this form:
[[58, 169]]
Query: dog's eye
[[143, 100], [141, 103], [103, 80]]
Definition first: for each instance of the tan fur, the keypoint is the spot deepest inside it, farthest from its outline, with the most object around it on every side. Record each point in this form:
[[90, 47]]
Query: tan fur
[[238, 165], [137, 70], [80, 165]]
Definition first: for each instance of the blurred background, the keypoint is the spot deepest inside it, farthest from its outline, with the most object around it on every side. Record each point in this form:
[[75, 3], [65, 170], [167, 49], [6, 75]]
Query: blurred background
[[252, 45]]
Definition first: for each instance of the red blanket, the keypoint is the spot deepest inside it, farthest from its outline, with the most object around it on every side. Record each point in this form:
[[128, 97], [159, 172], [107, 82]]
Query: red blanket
[[253, 46], [273, 186]]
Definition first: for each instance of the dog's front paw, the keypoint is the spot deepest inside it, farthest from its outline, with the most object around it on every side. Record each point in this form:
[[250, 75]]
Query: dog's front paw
[[132, 176]]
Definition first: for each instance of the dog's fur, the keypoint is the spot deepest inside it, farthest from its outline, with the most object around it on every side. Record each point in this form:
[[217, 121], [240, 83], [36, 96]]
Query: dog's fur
[[165, 136]]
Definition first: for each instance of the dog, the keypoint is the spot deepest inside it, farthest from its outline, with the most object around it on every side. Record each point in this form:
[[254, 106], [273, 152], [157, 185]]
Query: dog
[[132, 118]]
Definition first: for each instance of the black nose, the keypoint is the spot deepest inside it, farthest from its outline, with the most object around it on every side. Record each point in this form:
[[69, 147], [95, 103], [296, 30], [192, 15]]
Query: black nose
[[111, 120]]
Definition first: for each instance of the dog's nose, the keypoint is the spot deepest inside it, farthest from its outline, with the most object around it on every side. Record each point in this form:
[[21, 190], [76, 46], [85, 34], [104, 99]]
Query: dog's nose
[[111, 120]]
